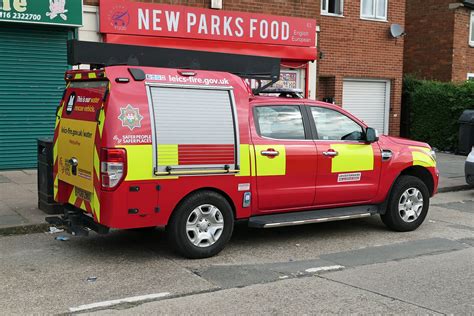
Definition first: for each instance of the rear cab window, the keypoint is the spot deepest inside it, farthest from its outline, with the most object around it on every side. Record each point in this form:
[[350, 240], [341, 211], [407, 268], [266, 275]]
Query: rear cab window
[[283, 122]]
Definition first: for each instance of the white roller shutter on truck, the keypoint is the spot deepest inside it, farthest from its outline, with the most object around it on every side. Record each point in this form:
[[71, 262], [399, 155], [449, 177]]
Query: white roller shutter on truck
[[195, 130]]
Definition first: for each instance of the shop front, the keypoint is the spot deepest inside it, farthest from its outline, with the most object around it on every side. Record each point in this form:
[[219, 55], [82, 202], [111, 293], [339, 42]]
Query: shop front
[[291, 39], [33, 59]]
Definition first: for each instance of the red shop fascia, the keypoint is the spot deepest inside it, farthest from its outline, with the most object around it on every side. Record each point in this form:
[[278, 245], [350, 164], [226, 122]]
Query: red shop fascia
[[182, 27]]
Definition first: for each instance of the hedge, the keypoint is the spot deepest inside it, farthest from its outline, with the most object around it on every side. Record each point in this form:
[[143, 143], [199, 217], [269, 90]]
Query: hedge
[[434, 108]]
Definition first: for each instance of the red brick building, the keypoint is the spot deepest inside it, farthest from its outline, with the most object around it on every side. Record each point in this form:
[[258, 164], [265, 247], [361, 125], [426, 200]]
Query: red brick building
[[360, 64], [440, 40]]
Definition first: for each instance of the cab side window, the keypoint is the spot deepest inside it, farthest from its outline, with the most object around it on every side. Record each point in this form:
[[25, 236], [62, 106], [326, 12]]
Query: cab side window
[[333, 125], [279, 122]]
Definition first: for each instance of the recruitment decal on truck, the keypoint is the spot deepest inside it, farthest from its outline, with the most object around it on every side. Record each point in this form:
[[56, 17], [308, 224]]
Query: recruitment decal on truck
[[56, 12], [76, 140], [137, 18], [76, 135]]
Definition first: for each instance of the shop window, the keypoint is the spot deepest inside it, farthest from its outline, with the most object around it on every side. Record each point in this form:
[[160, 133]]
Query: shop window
[[332, 7], [374, 9], [471, 30]]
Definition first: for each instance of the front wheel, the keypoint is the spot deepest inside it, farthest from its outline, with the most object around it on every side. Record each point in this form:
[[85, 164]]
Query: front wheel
[[201, 225], [408, 204]]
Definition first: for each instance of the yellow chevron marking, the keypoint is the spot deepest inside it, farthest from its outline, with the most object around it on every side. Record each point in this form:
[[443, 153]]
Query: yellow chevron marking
[[271, 166], [421, 157], [352, 157]]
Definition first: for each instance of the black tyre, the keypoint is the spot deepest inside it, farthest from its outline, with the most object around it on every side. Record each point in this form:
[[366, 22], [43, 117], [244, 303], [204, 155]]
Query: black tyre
[[201, 225], [408, 204]]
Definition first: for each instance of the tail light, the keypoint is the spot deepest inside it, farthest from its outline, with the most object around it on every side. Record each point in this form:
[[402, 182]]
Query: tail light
[[113, 167]]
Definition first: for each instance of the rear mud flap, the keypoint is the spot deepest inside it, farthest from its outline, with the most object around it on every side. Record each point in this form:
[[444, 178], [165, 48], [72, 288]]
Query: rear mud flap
[[76, 222]]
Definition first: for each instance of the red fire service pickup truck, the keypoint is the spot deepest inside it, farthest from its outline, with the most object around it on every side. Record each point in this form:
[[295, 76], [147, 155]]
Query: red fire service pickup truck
[[194, 151]]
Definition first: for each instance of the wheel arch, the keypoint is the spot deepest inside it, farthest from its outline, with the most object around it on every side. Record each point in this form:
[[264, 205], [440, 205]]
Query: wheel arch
[[421, 173], [416, 171], [218, 191]]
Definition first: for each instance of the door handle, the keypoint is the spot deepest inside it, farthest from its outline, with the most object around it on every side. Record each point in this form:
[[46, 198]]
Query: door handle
[[331, 153], [270, 153]]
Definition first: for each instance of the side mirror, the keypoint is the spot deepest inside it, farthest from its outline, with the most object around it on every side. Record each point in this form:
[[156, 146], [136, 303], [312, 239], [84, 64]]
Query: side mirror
[[371, 135]]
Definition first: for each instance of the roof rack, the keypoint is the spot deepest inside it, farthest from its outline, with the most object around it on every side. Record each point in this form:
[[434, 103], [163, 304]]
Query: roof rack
[[104, 54], [282, 92]]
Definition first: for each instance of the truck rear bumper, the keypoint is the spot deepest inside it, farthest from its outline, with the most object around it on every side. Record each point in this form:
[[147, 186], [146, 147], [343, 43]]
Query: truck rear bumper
[[76, 222]]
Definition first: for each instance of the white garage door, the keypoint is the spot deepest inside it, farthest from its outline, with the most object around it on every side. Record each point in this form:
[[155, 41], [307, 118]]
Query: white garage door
[[369, 100]]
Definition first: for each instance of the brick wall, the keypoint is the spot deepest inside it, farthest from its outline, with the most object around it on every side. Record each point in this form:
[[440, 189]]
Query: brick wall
[[429, 40], [297, 8], [352, 47], [463, 54], [356, 48]]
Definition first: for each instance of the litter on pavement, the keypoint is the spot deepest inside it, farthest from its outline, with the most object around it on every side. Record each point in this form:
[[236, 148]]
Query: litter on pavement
[[55, 230]]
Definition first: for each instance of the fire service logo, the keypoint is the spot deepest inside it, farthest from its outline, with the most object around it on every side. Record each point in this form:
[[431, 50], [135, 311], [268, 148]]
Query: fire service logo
[[130, 117], [119, 18]]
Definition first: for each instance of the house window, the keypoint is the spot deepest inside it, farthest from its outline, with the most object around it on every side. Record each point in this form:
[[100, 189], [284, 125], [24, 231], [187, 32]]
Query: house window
[[471, 30], [470, 76], [374, 9], [332, 7]]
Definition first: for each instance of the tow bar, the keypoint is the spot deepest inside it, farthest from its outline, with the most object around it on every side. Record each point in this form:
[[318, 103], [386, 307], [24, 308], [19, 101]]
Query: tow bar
[[76, 222]]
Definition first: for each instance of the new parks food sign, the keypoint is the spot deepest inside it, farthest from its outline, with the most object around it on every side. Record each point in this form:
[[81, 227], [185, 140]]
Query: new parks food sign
[[54, 12]]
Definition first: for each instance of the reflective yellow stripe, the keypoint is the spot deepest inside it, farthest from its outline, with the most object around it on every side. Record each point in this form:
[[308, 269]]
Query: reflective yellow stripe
[[352, 157], [101, 121], [186, 172], [92, 75], [56, 126], [271, 166], [96, 205], [55, 187], [72, 197], [96, 162], [244, 161], [78, 76], [421, 157], [253, 171], [140, 162], [168, 155], [55, 152]]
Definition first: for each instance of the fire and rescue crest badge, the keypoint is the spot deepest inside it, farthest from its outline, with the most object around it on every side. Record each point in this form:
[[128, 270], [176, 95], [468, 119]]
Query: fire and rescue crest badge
[[130, 117]]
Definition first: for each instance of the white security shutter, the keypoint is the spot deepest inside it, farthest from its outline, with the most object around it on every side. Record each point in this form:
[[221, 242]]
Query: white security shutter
[[199, 124], [368, 101]]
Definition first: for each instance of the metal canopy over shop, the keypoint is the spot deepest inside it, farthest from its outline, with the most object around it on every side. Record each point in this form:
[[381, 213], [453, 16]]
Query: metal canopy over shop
[[190, 28], [291, 39]]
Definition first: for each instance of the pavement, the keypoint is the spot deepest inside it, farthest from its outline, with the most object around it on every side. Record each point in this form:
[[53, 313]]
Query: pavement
[[347, 267], [18, 195]]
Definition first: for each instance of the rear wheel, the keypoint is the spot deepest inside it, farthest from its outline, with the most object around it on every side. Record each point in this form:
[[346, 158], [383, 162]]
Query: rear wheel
[[201, 225], [408, 204]]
